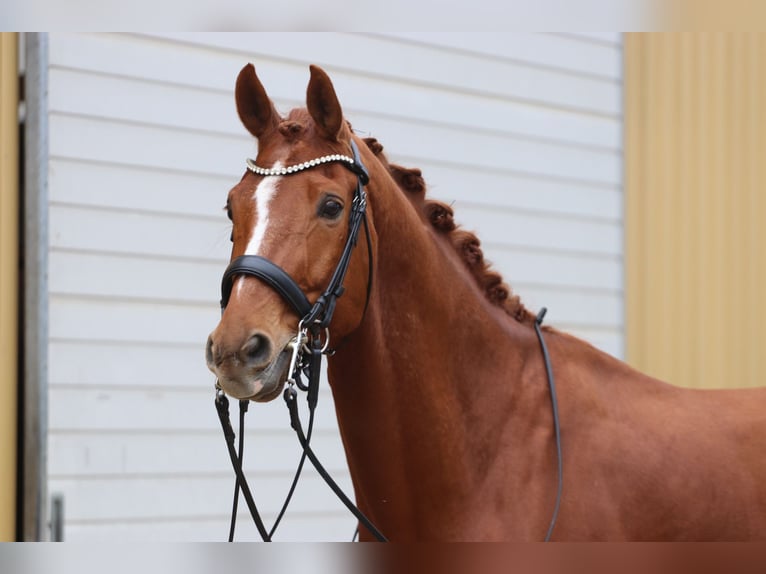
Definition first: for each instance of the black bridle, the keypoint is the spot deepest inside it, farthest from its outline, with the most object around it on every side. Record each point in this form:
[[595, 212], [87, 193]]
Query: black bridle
[[308, 348]]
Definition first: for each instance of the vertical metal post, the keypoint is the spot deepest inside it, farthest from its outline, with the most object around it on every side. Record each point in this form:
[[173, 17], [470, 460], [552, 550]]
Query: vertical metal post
[[35, 326], [57, 518]]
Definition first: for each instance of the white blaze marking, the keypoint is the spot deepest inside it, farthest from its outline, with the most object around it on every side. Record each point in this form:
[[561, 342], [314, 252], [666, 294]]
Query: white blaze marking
[[264, 194]]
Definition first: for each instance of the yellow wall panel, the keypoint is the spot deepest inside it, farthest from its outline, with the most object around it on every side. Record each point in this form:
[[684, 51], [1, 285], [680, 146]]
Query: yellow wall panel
[[695, 176], [9, 249]]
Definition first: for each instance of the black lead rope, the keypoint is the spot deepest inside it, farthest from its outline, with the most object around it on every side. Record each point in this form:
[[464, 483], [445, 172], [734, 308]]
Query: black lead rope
[[313, 376], [295, 479], [555, 408], [241, 451], [291, 400], [290, 395], [222, 407]]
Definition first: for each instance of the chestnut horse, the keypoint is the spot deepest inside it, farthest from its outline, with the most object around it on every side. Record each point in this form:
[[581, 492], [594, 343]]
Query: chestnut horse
[[438, 378]]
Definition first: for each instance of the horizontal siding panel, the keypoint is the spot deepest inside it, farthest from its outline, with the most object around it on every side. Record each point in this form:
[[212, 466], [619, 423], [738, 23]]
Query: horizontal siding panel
[[119, 363], [141, 499], [422, 104], [421, 65], [610, 341], [530, 192], [144, 102], [483, 150], [76, 181], [606, 38], [131, 277], [153, 234], [534, 49], [78, 137], [186, 61], [337, 526], [163, 104], [123, 454], [573, 307], [557, 270], [101, 409], [145, 58], [91, 319], [508, 228]]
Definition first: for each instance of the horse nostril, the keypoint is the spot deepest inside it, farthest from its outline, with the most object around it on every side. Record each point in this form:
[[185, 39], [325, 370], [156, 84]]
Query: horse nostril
[[257, 349], [213, 354], [209, 351]]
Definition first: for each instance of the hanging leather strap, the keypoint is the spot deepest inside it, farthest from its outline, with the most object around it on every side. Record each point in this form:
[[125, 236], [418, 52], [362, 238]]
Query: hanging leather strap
[[222, 407], [291, 398]]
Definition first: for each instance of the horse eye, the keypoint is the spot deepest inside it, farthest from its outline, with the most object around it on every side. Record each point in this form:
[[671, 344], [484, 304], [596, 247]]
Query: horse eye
[[330, 208], [231, 237]]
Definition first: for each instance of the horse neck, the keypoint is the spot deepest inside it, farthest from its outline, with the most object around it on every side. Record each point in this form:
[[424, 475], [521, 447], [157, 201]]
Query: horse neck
[[434, 370]]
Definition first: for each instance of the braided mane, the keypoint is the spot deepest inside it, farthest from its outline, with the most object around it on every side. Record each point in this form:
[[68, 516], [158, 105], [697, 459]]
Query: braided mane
[[465, 243]]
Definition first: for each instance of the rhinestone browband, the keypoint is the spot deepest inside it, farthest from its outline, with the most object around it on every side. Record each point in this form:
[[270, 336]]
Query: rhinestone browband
[[299, 167]]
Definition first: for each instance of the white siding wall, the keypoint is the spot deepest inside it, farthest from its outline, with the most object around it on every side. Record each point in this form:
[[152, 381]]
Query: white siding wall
[[521, 132]]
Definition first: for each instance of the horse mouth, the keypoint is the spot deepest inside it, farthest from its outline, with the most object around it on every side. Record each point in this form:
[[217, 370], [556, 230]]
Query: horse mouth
[[262, 386]]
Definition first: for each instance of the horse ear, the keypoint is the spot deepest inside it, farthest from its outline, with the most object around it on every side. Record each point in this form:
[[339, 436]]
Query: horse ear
[[254, 107], [323, 105]]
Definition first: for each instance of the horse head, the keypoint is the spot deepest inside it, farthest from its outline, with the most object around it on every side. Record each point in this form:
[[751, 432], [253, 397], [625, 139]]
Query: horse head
[[293, 209]]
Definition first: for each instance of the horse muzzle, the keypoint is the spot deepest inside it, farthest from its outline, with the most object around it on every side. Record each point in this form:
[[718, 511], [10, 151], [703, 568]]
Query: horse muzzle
[[251, 371]]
